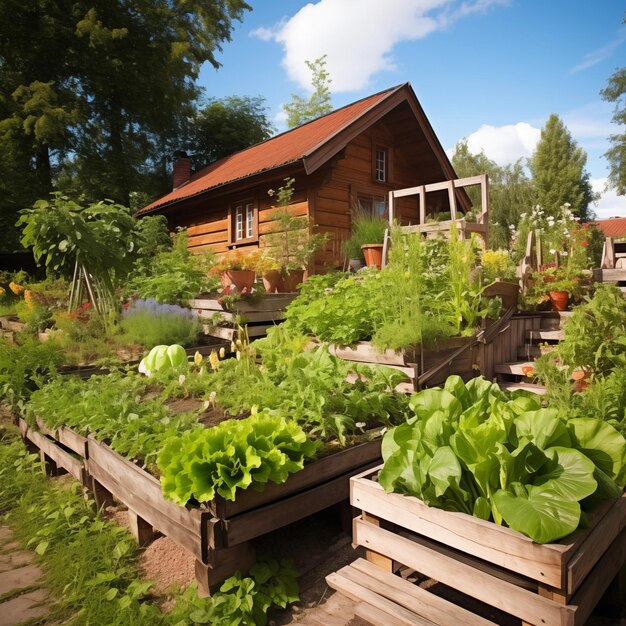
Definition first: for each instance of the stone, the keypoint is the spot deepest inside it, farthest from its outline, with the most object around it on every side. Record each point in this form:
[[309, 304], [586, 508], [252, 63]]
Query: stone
[[28, 606], [13, 560], [19, 578]]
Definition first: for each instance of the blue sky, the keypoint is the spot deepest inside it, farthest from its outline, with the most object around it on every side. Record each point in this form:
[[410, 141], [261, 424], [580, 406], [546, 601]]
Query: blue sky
[[488, 70]]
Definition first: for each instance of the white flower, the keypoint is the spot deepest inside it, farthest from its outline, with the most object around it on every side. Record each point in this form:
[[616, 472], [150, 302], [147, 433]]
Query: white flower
[[181, 380], [552, 251], [564, 253], [212, 396], [361, 425]]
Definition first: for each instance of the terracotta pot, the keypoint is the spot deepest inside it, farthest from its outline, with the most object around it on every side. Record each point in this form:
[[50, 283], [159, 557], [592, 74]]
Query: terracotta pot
[[273, 281], [292, 280], [241, 279], [373, 253], [559, 300]]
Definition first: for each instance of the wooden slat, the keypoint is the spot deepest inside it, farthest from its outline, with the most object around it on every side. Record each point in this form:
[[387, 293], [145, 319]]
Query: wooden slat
[[141, 493], [599, 579], [397, 614], [229, 333], [410, 596], [286, 511], [605, 532], [503, 595], [58, 455], [314, 473], [372, 615], [365, 352], [253, 316], [75, 442], [485, 540], [269, 302]]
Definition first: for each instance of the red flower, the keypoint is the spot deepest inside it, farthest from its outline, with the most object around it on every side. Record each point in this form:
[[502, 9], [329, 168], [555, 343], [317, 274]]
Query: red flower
[[584, 243]]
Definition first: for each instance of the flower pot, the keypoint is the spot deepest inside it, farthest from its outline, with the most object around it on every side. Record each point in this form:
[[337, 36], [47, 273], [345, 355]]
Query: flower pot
[[292, 280], [241, 279], [559, 300], [373, 253], [273, 281]]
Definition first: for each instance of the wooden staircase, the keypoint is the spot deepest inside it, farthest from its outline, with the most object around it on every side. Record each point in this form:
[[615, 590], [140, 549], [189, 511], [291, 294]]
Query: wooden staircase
[[613, 267], [518, 374]]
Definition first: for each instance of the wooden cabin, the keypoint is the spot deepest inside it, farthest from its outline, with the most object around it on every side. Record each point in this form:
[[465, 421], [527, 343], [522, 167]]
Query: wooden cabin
[[351, 157]]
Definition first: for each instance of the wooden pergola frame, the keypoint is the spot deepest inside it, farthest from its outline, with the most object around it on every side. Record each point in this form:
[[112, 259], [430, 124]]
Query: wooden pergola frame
[[482, 222]]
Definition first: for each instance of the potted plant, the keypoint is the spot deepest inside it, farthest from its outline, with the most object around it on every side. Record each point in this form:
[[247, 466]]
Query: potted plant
[[354, 254], [368, 234], [556, 283], [236, 270], [290, 244], [269, 270]]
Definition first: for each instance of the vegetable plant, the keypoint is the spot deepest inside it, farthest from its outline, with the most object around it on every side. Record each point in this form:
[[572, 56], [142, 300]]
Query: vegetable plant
[[471, 448]]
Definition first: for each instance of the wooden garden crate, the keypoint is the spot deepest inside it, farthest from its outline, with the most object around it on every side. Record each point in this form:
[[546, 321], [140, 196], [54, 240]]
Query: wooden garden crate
[[545, 585], [258, 316], [455, 355]]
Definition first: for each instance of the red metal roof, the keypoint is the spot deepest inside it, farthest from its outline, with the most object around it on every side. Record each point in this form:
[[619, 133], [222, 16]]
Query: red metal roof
[[289, 147], [613, 227]]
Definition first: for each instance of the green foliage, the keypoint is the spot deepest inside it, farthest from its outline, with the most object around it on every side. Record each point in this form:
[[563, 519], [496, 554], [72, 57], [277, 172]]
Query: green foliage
[[89, 564], [300, 110], [615, 92], [25, 367], [76, 112], [242, 600], [365, 229], [220, 128], [510, 191], [236, 454], [112, 408], [497, 264], [290, 243], [558, 168], [595, 335], [310, 387], [174, 276], [471, 448]]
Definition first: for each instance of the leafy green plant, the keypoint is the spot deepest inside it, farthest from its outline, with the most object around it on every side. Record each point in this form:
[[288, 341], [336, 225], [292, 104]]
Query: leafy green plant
[[469, 448], [366, 229], [173, 276], [236, 454], [242, 600], [497, 264], [25, 367]]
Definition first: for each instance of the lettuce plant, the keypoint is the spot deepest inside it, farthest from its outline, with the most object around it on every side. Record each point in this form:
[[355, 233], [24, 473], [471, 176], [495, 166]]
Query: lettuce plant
[[471, 448], [237, 454]]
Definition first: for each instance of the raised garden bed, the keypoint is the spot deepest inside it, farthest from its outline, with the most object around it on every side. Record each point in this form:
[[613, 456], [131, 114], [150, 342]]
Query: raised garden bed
[[455, 355], [218, 533], [258, 315], [555, 584]]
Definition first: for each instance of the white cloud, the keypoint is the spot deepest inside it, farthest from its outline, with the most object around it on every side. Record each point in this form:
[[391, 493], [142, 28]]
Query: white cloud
[[610, 204], [505, 144], [597, 56], [358, 36]]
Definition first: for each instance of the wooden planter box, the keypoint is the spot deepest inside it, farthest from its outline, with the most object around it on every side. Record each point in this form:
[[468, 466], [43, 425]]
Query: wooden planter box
[[546, 585], [455, 355], [218, 533], [258, 316], [508, 292]]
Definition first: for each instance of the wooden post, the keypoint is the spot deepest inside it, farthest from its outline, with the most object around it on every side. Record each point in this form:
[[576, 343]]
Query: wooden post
[[102, 497], [48, 466], [226, 561], [141, 530], [381, 561]]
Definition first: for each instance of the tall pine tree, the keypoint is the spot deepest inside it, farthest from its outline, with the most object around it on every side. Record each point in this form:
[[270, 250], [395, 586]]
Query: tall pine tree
[[558, 168]]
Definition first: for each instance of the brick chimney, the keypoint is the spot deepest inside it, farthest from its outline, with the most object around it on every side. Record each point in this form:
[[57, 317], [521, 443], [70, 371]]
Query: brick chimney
[[182, 169]]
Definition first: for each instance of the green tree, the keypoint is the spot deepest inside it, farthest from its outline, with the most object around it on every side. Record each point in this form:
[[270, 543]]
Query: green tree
[[92, 90], [301, 110], [559, 175], [510, 191], [615, 92], [221, 127]]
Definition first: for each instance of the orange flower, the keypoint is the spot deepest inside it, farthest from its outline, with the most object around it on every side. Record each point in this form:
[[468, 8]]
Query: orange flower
[[15, 288]]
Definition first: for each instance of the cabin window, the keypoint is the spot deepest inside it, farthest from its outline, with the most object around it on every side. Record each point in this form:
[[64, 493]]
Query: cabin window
[[244, 221], [373, 205], [381, 164]]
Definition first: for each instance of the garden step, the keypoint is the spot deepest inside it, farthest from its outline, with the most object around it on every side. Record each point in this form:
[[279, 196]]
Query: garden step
[[538, 389], [545, 335], [516, 368], [555, 320], [529, 352]]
